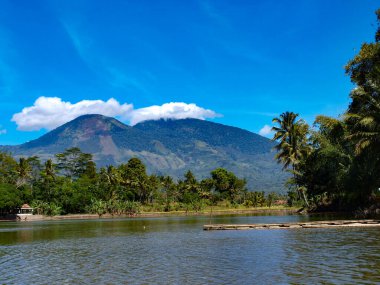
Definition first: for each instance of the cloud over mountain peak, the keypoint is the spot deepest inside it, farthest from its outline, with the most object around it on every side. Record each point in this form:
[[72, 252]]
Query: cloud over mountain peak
[[51, 112]]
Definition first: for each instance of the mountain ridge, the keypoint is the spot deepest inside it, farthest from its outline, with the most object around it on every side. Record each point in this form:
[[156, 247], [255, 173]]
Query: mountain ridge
[[167, 147]]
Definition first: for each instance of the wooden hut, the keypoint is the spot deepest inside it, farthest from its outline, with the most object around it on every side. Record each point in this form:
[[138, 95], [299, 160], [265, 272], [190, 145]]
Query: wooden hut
[[25, 210]]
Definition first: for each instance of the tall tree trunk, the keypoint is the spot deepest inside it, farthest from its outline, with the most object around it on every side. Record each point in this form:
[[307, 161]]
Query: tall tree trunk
[[304, 197], [299, 188]]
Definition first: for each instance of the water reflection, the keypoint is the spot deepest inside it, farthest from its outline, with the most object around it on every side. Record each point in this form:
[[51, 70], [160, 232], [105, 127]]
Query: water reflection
[[339, 256], [176, 250]]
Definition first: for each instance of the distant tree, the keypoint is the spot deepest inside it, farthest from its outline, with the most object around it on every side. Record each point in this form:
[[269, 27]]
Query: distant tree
[[189, 191], [10, 198], [7, 168], [90, 170], [80, 195], [190, 183], [111, 179], [36, 167], [49, 169], [153, 186], [227, 184], [271, 198], [23, 171], [207, 189], [73, 162], [47, 184], [255, 199], [135, 179], [170, 191]]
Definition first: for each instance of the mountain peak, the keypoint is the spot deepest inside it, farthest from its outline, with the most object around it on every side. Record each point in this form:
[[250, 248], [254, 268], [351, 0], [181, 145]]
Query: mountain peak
[[96, 121], [81, 128]]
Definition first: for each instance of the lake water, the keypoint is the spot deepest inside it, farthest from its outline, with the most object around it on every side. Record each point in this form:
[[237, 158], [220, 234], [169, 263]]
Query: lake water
[[175, 250]]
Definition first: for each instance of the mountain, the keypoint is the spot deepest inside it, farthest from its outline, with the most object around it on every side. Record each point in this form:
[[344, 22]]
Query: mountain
[[167, 147]]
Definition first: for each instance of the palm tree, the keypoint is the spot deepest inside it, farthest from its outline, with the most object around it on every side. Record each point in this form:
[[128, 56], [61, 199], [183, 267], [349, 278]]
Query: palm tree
[[292, 148], [23, 170], [170, 189], [292, 137], [363, 119], [48, 175], [113, 179], [49, 169]]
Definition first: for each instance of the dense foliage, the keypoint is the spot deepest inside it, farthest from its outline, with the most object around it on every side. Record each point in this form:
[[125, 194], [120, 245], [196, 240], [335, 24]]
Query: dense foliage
[[73, 184], [338, 162]]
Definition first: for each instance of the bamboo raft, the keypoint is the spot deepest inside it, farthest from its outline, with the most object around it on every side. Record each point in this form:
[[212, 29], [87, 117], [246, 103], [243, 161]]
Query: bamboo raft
[[297, 225]]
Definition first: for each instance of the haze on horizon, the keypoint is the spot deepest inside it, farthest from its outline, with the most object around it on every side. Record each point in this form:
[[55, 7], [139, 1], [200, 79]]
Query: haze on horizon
[[237, 63]]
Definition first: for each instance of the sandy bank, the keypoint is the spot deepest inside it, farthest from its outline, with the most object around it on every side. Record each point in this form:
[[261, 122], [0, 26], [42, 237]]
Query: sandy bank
[[268, 211]]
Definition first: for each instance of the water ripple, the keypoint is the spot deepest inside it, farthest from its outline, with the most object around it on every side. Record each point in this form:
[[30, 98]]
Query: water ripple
[[177, 251]]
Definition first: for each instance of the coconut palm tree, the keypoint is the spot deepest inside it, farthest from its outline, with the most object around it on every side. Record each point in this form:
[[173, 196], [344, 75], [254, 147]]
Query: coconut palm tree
[[48, 174], [23, 170], [113, 179], [291, 135], [363, 119], [49, 170]]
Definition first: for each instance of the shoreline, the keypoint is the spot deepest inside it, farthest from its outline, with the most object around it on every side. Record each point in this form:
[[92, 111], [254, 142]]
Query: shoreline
[[276, 211]]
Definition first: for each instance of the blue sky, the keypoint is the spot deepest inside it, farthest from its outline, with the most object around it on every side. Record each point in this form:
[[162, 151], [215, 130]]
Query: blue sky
[[239, 63]]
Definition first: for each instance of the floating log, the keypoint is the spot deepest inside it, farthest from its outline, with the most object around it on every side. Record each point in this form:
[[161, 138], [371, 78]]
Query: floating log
[[297, 225]]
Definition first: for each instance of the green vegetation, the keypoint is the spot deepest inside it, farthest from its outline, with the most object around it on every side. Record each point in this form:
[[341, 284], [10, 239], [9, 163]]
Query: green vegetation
[[336, 164], [72, 184]]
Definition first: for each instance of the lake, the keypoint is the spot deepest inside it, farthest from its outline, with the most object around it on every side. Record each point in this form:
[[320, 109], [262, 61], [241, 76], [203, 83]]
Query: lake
[[176, 250]]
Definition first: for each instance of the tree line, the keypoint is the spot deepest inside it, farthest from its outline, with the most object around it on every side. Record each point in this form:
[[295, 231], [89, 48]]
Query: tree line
[[335, 163], [72, 183]]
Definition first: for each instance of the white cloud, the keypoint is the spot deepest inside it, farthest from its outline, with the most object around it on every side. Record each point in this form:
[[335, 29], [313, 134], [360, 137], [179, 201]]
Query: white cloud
[[173, 110], [51, 112], [266, 131], [3, 131]]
